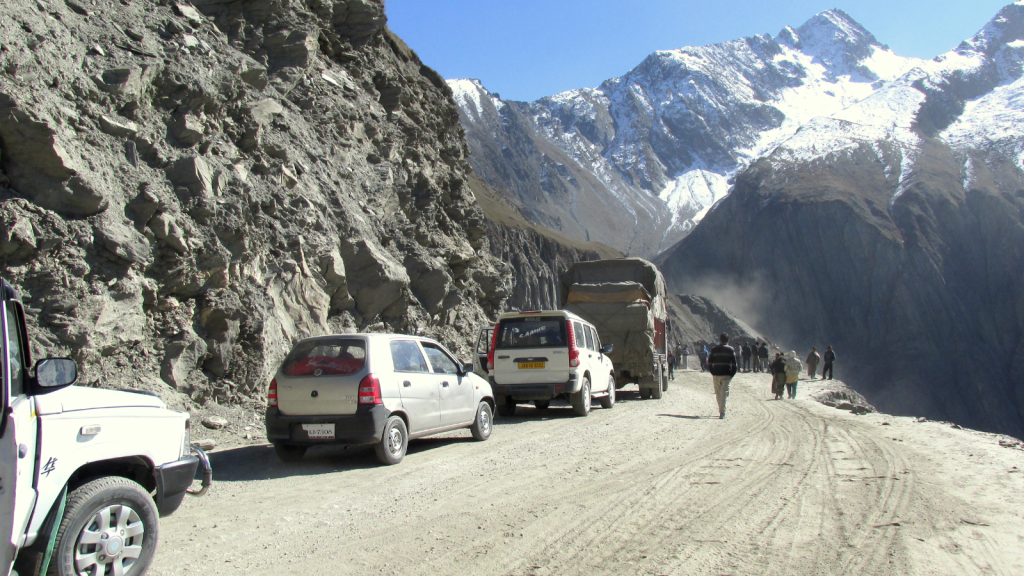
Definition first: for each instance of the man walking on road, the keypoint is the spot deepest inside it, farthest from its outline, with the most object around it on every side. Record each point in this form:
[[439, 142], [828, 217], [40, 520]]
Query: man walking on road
[[722, 364], [671, 365], [702, 355], [745, 353], [762, 355], [830, 357], [812, 362]]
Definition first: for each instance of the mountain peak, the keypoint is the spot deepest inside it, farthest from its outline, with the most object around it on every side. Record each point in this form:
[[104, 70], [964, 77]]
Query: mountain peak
[[834, 38], [1006, 27]]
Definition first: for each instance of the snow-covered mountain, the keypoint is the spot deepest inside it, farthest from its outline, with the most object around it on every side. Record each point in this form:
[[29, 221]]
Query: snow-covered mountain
[[894, 230], [657, 147]]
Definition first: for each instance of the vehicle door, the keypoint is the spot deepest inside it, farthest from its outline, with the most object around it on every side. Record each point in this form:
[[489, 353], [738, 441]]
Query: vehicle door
[[590, 355], [18, 440], [602, 366], [417, 385], [457, 405], [483, 345]]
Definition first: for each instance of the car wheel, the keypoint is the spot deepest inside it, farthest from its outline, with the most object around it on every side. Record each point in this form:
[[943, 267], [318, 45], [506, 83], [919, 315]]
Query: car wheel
[[581, 400], [289, 452], [542, 404], [507, 408], [391, 448], [609, 401], [481, 427], [645, 393], [110, 526]]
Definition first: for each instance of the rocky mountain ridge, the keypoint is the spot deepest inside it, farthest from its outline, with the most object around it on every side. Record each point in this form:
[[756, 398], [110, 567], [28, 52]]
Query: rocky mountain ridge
[[188, 188], [892, 230], [637, 162]]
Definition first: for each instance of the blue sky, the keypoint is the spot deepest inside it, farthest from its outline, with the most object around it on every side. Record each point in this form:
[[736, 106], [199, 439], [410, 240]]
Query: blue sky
[[526, 49]]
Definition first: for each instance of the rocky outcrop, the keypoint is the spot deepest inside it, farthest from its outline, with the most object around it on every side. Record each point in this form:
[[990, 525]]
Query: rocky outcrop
[[189, 188], [699, 320], [919, 294]]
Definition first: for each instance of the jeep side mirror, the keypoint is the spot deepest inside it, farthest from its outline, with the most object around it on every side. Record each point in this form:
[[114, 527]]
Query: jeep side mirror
[[55, 373], [607, 348]]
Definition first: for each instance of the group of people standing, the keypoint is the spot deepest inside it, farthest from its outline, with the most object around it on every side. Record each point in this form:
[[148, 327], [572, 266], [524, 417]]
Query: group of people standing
[[724, 361]]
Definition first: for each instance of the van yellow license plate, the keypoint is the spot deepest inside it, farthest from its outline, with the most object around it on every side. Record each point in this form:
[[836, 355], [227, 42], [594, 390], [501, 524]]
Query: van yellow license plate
[[531, 365]]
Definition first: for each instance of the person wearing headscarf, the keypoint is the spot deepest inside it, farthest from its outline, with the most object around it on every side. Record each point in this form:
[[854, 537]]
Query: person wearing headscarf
[[778, 372]]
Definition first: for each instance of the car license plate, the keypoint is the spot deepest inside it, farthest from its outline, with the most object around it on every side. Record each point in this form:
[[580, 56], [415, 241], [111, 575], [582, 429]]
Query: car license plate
[[531, 365], [319, 431]]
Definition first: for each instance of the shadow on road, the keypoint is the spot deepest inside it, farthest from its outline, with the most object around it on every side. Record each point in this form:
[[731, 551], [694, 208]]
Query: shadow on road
[[681, 416], [261, 462]]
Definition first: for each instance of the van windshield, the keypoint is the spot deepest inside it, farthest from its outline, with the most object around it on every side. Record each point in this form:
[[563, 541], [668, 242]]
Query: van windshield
[[326, 357], [532, 332]]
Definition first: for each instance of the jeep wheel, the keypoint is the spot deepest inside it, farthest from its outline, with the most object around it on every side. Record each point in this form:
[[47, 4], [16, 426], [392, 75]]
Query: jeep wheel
[[391, 448], [542, 404], [609, 401], [645, 393], [481, 427], [109, 527], [507, 408], [289, 452], [581, 400]]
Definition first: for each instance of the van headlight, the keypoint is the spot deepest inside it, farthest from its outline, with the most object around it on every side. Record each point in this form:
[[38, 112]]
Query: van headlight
[[186, 439]]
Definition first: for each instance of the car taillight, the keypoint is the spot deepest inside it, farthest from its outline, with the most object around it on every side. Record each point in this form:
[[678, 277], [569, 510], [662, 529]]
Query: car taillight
[[272, 393], [574, 352], [490, 351], [369, 391]]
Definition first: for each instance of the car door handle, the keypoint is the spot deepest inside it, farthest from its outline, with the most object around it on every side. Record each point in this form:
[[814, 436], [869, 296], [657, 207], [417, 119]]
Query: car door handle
[[22, 450], [407, 384], [445, 384]]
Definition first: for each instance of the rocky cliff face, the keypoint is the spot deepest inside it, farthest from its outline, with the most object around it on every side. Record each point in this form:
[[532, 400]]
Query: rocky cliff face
[[188, 188], [638, 161], [893, 231]]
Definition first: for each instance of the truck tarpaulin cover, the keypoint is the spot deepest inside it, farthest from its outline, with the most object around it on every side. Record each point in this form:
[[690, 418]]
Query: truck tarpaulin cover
[[622, 298]]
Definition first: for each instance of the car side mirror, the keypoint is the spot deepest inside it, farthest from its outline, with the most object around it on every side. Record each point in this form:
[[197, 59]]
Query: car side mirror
[[607, 348], [55, 373], [465, 368]]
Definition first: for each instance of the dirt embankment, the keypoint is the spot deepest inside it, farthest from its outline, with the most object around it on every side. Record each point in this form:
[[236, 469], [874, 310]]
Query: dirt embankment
[[649, 487]]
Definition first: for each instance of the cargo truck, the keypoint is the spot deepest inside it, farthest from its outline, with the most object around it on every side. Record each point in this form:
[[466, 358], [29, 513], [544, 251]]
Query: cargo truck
[[624, 299]]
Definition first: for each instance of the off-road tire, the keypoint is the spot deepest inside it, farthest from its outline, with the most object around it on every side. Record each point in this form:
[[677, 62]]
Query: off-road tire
[[608, 402], [83, 507], [394, 442], [484, 423], [645, 393], [506, 408], [542, 404], [290, 452], [581, 400], [659, 386]]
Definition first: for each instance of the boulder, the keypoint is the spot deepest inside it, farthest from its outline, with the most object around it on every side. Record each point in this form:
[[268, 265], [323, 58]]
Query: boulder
[[117, 127], [263, 111], [187, 130], [183, 354], [121, 243], [332, 268], [376, 280], [194, 174], [165, 228], [214, 422]]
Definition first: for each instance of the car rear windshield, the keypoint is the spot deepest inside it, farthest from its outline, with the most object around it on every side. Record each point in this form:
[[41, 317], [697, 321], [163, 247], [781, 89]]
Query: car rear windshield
[[326, 357], [532, 332]]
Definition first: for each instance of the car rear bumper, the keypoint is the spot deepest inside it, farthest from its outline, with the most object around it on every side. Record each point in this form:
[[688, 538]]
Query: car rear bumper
[[525, 392], [366, 426]]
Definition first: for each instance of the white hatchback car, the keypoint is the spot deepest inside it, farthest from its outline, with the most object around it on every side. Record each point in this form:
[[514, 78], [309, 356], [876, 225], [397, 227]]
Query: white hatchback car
[[544, 355], [379, 389]]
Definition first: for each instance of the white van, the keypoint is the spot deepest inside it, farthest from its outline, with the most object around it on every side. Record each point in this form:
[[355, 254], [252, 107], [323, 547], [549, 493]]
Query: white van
[[542, 355]]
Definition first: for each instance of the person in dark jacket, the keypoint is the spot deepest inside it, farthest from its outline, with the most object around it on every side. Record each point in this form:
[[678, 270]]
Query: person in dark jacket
[[778, 371], [762, 355], [745, 352], [722, 364], [829, 358], [671, 366]]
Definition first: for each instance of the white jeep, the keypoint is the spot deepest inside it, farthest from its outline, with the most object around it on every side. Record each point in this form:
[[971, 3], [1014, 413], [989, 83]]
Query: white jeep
[[546, 355], [84, 473]]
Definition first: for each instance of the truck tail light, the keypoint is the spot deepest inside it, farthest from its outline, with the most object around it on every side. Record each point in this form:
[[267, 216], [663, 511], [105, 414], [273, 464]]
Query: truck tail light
[[490, 351], [272, 393], [574, 352], [369, 391]]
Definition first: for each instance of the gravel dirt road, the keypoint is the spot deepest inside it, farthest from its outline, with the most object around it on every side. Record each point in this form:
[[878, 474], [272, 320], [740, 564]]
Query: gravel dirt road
[[649, 487]]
